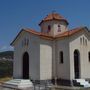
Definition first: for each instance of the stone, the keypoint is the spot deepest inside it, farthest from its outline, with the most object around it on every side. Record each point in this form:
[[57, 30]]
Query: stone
[[22, 84]]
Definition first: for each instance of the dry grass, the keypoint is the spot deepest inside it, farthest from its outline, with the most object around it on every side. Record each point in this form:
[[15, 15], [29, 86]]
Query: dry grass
[[2, 80]]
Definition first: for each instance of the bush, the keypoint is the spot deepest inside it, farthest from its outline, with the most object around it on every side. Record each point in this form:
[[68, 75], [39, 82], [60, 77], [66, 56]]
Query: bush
[[6, 68]]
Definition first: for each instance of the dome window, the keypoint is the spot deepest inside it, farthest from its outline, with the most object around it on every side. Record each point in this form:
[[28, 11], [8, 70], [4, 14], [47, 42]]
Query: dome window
[[59, 28], [49, 28]]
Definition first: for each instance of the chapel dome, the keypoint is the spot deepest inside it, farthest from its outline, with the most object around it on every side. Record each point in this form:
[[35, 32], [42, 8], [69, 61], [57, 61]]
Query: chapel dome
[[54, 16]]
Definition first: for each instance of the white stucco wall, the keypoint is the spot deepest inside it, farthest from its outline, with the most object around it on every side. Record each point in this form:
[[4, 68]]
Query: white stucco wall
[[40, 57], [83, 50], [44, 56], [34, 55], [45, 60], [63, 27], [34, 51], [54, 27], [63, 69]]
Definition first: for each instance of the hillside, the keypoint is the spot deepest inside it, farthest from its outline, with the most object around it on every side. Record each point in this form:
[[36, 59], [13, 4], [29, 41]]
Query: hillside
[[6, 63], [7, 54], [6, 68]]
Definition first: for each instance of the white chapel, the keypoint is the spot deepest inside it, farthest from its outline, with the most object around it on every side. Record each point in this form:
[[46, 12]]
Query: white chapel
[[55, 53]]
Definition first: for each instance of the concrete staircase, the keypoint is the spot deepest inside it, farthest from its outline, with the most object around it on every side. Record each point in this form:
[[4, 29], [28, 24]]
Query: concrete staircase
[[18, 84], [81, 83]]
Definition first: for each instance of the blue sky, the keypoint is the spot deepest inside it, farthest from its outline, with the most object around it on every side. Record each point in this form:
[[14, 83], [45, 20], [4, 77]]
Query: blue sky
[[18, 14]]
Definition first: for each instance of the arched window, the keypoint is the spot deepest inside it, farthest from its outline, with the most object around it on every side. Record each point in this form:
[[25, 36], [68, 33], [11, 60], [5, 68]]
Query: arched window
[[27, 42], [59, 28], [86, 42], [77, 64], [61, 56], [49, 28], [81, 41], [89, 56], [25, 66]]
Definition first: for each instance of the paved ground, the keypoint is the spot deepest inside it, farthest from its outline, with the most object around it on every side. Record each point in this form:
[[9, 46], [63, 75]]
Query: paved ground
[[0, 87], [70, 88], [59, 88]]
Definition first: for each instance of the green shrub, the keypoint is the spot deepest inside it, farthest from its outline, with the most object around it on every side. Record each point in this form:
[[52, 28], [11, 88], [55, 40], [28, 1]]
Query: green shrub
[[6, 68]]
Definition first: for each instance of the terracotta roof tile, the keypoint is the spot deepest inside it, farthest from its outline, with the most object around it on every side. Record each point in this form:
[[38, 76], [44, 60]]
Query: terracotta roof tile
[[42, 35], [70, 32], [53, 16], [37, 33], [48, 37], [65, 34]]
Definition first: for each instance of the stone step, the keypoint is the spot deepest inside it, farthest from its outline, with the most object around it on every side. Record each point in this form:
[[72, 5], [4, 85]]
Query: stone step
[[81, 82], [17, 83]]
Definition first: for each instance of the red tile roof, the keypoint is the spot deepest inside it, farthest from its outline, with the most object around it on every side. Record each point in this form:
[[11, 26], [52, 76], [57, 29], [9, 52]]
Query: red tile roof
[[70, 32], [53, 16], [43, 35], [65, 34], [48, 37]]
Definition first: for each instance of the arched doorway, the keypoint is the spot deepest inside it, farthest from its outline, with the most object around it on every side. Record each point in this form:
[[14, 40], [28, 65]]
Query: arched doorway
[[25, 67], [77, 64]]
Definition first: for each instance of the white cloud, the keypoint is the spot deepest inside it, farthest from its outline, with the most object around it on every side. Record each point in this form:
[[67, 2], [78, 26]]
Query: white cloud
[[6, 48]]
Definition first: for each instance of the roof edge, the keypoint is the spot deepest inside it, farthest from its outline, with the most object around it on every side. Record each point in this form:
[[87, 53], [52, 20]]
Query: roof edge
[[48, 37], [54, 19], [16, 37]]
